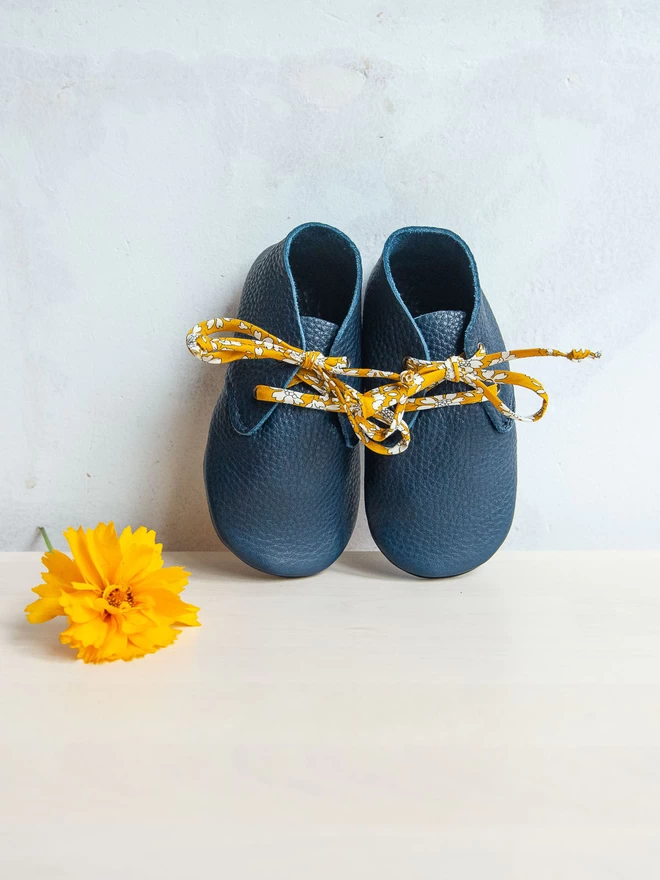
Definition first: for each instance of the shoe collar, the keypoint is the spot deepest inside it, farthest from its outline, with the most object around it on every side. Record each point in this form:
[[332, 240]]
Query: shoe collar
[[271, 299]]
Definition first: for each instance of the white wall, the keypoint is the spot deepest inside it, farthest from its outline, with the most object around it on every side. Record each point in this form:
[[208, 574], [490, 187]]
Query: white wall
[[150, 150]]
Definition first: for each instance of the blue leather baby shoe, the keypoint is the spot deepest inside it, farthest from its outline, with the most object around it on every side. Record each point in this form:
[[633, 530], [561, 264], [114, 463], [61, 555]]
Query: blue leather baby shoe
[[445, 505], [283, 482]]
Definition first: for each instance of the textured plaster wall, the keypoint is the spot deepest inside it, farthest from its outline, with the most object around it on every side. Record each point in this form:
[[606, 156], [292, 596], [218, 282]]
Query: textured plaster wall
[[150, 150]]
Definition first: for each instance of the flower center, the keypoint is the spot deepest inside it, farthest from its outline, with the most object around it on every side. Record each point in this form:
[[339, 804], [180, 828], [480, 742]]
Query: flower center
[[117, 596]]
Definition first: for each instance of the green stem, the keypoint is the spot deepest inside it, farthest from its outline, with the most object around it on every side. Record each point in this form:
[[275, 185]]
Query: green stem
[[44, 535]]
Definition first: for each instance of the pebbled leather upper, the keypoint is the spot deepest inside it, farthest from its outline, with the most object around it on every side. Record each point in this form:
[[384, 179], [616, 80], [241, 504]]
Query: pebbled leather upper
[[446, 504], [282, 482]]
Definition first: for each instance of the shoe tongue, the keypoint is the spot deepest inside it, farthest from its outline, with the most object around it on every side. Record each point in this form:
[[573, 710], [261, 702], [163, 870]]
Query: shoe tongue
[[319, 334], [443, 332]]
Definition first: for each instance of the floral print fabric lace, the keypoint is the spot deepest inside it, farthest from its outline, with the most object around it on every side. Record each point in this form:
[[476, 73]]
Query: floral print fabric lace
[[376, 415]]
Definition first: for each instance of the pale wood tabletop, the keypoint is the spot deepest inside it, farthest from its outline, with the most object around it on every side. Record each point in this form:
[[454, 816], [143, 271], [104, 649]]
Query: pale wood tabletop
[[358, 724]]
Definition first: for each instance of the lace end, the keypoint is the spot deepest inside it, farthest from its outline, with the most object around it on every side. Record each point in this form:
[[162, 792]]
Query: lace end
[[579, 354]]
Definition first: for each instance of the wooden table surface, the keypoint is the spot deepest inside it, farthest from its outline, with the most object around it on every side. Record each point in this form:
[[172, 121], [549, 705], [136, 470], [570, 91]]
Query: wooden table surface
[[357, 724]]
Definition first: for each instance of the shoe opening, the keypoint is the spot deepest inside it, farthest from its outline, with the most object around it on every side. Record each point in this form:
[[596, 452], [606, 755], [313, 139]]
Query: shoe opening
[[325, 270], [433, 271]]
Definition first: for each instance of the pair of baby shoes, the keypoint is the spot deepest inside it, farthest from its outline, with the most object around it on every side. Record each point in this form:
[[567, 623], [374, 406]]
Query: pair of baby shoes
[[433, 404]]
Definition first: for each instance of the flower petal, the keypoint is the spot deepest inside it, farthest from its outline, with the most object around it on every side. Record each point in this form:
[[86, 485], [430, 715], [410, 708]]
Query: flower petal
[[173, 578], [164, 603], [113, 648], [132, 651], [140, 554], [190, 617], [79, 607], [155, 637], [135, 621], [104, 549], [43, 610], [61, 568], [47, 591], [91, 633], [77, 541], [86, 587], [115, 643]]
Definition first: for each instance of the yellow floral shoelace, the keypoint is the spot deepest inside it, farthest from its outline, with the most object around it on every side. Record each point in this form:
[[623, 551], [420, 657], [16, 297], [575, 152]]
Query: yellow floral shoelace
[[378, 414]]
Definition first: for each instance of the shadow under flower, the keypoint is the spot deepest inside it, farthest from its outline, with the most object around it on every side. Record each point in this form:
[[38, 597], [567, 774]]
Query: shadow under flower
[[41, 639]]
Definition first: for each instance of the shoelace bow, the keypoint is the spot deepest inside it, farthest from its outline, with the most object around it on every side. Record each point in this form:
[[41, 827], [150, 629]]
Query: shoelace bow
[[378, 414]]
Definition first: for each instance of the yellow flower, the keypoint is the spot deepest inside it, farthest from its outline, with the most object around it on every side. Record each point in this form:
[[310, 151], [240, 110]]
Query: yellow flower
[[120, 601]]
